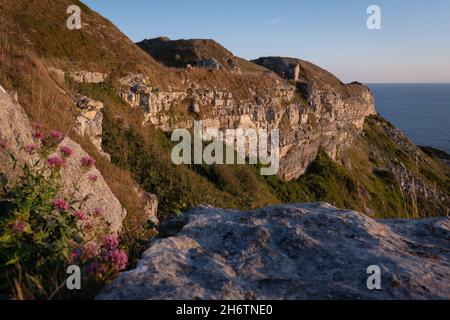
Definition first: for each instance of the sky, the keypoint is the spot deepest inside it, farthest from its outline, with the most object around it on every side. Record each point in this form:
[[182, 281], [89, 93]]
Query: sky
[[412, 46]]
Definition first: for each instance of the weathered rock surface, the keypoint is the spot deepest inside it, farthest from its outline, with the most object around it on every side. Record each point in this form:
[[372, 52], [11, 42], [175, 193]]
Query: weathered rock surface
[[76, 181], [16, 131], [209, 63], [88, 77], [303, 251], [90, 122], [329, 116], [287, 67]]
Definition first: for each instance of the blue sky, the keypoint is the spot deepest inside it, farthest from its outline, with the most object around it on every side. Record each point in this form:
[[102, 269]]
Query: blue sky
[[412, 46]]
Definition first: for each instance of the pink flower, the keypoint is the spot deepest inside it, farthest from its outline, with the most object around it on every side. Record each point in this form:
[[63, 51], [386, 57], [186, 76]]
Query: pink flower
[[3, 145], [74, 255], [55, 162], [88, 225], [30, 149], [57, 135], [89, 250], [80, 215], [117, 259], [97, 269], [66, 151], [37, 126], [93, 178], [110, 242], [88, 162], [19, 226], [61, 204], [38, 135], [98, 212]]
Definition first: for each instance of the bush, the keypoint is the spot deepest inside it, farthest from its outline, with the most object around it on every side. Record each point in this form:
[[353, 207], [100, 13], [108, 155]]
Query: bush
[[43, 230]]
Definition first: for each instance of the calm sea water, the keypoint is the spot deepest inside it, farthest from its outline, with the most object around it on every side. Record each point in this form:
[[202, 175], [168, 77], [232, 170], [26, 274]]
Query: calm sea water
[[421, 111]]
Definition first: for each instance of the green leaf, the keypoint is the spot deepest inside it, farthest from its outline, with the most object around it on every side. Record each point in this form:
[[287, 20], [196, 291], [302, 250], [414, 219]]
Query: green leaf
[[12, 261], [4, 180]]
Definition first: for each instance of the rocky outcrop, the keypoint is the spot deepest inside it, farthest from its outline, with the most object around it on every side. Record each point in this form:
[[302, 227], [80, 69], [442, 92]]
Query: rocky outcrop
[[89, 184], [90, 122], [88, 77], [149, 203], [287, 68], [303, 251], [79, 182], [15, 134], [320, 112], [209, 63]]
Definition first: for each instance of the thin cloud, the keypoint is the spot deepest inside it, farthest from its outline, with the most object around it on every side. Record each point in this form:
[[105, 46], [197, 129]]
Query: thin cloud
[[275, 21]]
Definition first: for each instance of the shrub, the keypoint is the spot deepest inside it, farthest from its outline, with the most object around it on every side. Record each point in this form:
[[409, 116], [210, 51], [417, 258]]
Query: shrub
[[43, 230]]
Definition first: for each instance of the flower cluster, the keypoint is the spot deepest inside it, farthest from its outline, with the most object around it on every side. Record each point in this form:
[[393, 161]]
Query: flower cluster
[[61, 204], [66, 151], [30, 149], [105, 259], [88, 162], [80, 215], [3, 145], [19, 226], [37, 202], [55, 162]]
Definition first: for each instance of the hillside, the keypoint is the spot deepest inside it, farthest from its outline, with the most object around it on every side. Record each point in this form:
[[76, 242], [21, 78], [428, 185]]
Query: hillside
[[316, 112], [206, 53], [119, 104]]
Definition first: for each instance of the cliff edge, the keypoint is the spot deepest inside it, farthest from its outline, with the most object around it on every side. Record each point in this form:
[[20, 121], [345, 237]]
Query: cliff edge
[[299, 251]]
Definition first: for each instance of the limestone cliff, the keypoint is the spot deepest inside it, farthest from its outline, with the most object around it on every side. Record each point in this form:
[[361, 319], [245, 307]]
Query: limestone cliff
[[317, 112]]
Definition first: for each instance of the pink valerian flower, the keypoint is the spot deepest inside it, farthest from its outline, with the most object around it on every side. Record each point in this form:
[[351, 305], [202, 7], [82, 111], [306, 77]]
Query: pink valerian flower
[[66, 151], [30, 149], [117, 259], [89, 251], [88, 225], [97, 269], [38, 135], [19, 226], [74, 255], [98, 212], [55, 162], [57, 135], [61, 204], [88, 162], [110, 242], [93, 178], [37, 126], [80, 215], [3, 145]]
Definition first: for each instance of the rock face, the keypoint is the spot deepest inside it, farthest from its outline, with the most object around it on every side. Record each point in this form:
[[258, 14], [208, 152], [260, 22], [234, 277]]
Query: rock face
[[15, 133], [88, 77], [89, 122], [15, 130], [287, 67], [209, 63], [303, 251], [328, 115], [76, 181]]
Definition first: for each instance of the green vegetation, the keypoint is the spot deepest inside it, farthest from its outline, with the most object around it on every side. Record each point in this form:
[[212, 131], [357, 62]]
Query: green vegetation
[[43, 231], [365, 183]]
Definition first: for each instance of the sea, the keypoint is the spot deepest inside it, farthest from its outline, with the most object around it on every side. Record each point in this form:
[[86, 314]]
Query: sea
[[420, 111]]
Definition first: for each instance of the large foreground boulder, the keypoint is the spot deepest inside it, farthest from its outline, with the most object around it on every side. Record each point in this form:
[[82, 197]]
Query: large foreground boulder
[[304, 251]]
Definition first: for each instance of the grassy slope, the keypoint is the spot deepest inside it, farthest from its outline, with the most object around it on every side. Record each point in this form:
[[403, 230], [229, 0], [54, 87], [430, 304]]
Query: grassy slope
[[364, 184], [180, 53], [32, 38]]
